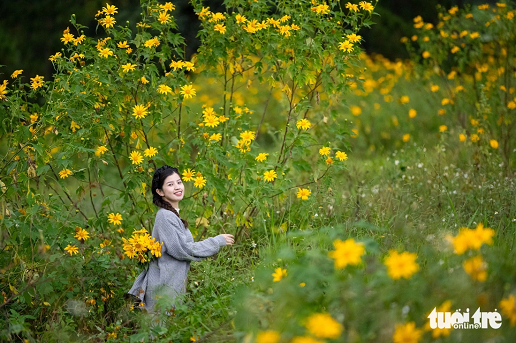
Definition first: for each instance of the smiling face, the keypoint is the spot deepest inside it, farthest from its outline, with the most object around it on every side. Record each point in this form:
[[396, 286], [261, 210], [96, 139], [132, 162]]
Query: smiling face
[[172, 190]]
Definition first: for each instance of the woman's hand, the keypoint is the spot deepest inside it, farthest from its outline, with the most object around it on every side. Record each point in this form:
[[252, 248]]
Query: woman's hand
[[229, 238]]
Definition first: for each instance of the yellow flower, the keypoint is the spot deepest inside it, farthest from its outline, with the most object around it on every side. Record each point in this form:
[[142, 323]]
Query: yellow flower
[[216, 17], [508, 308], [168, 6], [353, 38], [407, 333], [303, 193], [493, 143], [347, 252], [401, 265], [82, 235], [329, 160], [304, 339], [476, 268], [189, 66], [434, 88], [269, 336], [279, 274], [34, 118], [105, 52], [128, 67], [74, 126], [211, 121], [215, 137], [346, 46], [65, 173], [187, 91], [67, 36], [462, 137], [342, 156], [188, 175], [355, 110], [303, 124], [139, 111], [35, 82], [122, 45], [220, 28], [150, 152], [108, 21], [115, 219], [404, 99], [136, 157], [153, 42], [164, 17], [240, 18], [406, 137], [71, 249], [443, 128], [261, 157], [16, 73], [164, 89], [110, 9], [134, 135], [474, 138], [426, 54], [322, 325], [247, 136], [412, 113], [144, 80], [324, 151], [101, 150], [270, 175], [199, 182], [321, 9], [352, 7], [366, 6]]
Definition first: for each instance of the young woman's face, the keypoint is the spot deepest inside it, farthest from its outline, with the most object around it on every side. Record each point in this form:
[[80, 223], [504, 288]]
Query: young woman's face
[[172, 190]]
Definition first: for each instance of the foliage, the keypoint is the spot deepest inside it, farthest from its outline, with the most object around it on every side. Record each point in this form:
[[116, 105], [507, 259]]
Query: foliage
[[80, 149]]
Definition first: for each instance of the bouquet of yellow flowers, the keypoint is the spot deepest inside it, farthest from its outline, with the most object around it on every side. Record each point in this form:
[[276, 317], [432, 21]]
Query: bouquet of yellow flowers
[[140, 245]]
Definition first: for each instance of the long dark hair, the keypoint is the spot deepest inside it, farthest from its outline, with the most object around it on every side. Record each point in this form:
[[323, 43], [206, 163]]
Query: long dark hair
[[157, 183]]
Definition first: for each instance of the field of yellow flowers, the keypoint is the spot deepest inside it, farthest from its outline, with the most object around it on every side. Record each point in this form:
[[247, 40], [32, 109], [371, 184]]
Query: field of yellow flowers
[[371, 200]]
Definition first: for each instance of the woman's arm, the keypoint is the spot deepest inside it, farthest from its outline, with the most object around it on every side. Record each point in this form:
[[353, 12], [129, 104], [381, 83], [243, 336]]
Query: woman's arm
[[176, 243]]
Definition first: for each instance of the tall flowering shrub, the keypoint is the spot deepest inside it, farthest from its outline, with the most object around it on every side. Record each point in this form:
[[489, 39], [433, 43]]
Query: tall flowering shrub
[[80, 149]]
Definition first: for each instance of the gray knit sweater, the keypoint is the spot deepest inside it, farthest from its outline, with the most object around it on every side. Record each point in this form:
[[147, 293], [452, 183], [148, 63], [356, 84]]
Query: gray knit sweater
[[166, 275]]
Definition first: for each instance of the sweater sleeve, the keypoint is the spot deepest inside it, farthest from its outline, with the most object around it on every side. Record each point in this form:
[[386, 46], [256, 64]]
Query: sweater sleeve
[[176, 242]]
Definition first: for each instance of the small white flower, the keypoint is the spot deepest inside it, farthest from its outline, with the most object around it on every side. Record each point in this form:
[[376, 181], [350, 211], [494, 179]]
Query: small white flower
[[396, 162], [420, 165]]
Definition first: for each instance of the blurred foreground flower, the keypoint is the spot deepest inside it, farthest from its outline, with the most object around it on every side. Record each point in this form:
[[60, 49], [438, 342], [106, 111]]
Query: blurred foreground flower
[[269, 336], [401, 265], [476, 267], [471, 238], [347, 252], [279, 274], [407, 333], [508, 308], [322, 325]]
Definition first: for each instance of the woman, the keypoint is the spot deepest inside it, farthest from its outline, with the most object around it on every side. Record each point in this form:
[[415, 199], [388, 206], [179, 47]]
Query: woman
[[166, 275]]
